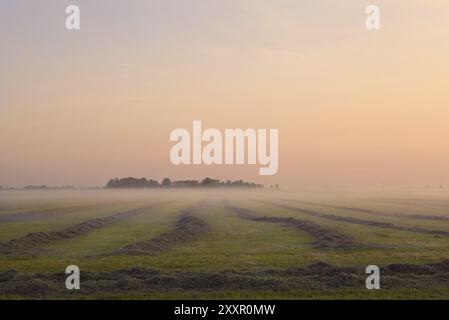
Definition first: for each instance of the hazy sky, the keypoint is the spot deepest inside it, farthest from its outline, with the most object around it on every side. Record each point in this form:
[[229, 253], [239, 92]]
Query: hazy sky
[[353, 107]]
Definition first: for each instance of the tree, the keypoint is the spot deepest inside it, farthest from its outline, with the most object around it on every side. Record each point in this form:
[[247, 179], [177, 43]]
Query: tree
[[131, 182], [166, 182]]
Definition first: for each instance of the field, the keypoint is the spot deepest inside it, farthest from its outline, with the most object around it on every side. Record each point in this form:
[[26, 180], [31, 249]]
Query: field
[[209, 244]]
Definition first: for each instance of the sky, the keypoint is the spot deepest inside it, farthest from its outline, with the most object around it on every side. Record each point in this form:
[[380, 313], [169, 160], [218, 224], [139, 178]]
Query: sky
[[354, 108]]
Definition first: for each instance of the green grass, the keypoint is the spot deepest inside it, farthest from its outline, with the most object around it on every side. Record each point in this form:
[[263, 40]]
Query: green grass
[[400, 246], [231, 242]]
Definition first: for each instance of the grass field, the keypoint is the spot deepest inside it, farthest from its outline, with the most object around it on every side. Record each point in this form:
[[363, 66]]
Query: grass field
[[206, 244]]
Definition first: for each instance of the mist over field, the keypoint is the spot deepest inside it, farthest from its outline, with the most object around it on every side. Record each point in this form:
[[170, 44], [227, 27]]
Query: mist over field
[[327, 141], [223, 243]]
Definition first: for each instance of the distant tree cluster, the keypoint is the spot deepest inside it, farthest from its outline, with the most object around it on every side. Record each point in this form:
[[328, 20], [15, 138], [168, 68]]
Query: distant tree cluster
[[42, 187], [167, 183], [45, 187]]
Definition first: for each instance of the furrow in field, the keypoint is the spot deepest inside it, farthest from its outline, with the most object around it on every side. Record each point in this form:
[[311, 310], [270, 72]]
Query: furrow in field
[[319, 276], [30, 243], [188, 229], [379, 213], [325, 238], [370, 223]]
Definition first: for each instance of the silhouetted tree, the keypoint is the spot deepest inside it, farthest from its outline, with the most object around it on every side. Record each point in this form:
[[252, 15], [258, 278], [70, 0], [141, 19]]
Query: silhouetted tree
[[166, 182], [205, 183]]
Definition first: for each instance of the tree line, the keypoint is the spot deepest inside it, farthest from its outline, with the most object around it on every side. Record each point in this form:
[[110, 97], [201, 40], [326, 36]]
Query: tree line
[[131, 182]]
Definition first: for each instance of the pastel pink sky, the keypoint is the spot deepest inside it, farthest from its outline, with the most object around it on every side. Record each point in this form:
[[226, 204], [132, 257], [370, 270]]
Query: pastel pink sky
[[353, 107]]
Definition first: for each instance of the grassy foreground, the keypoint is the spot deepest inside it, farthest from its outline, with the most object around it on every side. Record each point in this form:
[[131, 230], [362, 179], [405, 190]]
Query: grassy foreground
[[271, 252]]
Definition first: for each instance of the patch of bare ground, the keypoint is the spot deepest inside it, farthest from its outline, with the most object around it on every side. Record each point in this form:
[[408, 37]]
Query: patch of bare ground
[[324, 238], [29, 244], [379, 213], [363, 222], [188, 229], [319, 276]]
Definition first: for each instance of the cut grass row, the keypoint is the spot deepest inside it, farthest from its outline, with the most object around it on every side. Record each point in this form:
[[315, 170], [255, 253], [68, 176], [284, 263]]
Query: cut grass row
[[232, 243]]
